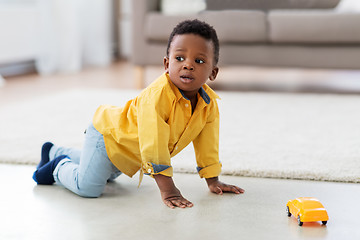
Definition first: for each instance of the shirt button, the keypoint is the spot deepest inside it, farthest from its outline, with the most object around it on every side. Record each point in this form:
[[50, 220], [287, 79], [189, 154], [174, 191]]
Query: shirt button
[[149, 170], [186, 105]]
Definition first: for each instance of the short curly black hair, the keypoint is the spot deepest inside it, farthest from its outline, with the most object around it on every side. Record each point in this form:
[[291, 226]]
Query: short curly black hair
[[199, 28]]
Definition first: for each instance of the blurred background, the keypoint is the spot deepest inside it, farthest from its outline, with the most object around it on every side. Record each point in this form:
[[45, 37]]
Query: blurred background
[[56, 44]]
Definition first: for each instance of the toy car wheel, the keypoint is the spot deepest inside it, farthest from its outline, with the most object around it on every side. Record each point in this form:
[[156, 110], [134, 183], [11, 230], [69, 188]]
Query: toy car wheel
[[299, 221], [288, 212], [324, 222]]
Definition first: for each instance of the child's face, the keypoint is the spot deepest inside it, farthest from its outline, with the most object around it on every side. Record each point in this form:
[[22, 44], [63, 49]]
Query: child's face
[[190, 63]]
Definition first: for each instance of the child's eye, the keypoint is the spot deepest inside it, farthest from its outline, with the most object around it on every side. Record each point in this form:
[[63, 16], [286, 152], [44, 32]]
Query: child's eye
[[180, 59], [199, 61]]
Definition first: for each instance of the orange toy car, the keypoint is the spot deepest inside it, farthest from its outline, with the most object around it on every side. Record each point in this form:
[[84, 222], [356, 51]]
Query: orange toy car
[[307, 209]]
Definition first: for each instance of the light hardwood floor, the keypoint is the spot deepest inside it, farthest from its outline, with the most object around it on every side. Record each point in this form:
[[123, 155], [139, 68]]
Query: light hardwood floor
[[42, 212], [120, 75]]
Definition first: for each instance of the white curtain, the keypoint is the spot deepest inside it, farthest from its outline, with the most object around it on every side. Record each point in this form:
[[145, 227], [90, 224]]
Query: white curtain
[[73, 34]]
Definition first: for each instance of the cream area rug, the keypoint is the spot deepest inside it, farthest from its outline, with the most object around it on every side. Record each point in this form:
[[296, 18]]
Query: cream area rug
[[294, 136]]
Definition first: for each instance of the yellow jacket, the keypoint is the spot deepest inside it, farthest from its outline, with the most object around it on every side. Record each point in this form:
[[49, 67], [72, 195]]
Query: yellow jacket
[[158, 124]]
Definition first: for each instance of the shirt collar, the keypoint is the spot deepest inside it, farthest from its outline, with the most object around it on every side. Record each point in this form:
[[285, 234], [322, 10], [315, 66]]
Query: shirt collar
[[202, 93]]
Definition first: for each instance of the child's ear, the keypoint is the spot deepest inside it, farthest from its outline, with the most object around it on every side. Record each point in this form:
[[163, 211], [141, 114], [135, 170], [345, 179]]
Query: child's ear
[[214, 73], [166, 64]]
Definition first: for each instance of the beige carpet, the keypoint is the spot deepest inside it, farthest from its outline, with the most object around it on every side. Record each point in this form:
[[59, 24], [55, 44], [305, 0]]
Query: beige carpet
[[297, 136]]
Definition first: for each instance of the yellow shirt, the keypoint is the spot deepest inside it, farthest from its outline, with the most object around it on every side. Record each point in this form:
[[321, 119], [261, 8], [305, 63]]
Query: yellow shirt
[[158, 124]]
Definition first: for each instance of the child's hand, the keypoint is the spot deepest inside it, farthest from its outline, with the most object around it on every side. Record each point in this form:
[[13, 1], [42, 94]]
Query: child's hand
[[218, 187], [170, 195], [175, 199]]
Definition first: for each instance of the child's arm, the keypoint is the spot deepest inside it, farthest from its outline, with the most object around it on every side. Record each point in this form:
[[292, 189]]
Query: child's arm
[[218, 187], [170, 195]]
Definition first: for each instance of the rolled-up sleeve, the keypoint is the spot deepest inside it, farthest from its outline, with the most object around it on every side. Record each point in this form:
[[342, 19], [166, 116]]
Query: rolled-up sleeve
[[206, 146]]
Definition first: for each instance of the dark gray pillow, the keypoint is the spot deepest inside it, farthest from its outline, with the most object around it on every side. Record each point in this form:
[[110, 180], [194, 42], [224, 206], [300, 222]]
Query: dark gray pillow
[[269, 4]]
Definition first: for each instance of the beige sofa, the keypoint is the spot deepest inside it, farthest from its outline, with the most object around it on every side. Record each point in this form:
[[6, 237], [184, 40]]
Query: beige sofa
[[315, 36]]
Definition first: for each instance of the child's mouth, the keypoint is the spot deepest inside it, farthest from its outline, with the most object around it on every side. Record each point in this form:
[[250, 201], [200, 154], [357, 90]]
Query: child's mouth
[[186, 78]]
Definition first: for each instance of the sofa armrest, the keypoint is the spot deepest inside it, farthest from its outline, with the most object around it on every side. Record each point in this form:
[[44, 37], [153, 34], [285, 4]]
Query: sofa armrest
[[140, 8]]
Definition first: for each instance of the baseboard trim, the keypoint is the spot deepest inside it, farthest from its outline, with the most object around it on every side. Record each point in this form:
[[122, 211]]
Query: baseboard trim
[[19, 68]]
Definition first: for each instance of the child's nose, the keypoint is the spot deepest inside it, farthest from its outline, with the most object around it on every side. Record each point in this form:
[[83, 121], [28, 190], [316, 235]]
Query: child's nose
[[188, 66]]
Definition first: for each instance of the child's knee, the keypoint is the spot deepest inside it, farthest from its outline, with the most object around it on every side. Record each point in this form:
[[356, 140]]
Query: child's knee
[[89, 194], [89, 191]]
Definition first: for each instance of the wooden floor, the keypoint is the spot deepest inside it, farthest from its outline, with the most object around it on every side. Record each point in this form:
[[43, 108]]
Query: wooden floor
[[124, 211], [120, 75]]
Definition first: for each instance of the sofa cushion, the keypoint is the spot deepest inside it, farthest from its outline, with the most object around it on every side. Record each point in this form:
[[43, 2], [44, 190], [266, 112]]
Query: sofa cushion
[[269, 4], [176, 7], [238, 25], [159, 26], [246, 25], [319, 27]]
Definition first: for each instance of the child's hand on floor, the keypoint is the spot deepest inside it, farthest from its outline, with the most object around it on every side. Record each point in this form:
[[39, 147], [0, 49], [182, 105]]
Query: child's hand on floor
[[175, 199], [219, 187], [170, 194]]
